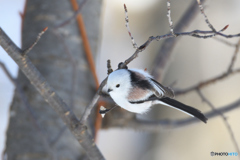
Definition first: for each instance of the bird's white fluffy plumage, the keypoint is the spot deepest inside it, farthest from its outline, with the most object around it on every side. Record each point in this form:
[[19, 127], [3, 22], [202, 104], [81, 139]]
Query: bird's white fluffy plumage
[[136, 91], [120, 94]]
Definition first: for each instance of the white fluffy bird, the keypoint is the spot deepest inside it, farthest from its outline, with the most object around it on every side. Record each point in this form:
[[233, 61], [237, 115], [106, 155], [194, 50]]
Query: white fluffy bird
[[136, 91]]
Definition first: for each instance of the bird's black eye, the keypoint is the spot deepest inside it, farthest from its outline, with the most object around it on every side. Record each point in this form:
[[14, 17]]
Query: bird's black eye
[[118, 85]]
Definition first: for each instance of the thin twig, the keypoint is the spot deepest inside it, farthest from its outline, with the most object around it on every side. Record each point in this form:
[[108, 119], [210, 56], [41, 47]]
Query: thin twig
[[204, 99], [164, 54], [93, 102], [195, 33], [67, 21], [128, 28], [78, 129], [8, 74], [205, 16], [169, 17], [25, 52]]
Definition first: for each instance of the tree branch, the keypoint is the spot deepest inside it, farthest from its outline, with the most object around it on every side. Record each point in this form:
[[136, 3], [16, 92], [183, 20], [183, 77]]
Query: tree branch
[[186, 18], [204, 99], [205, 83], [168, 44], [205, 16], [67, 21], [169, 17], [166, 125], [25, 52], [78, 129], [128, 28]]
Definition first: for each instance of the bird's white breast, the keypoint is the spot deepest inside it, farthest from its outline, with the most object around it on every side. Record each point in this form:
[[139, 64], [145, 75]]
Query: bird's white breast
[[136, 108]]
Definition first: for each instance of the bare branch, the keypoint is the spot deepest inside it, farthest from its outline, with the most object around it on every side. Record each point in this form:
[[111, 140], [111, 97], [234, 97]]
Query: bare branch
[[128, 28], [204, 99], [8, 74], [93, 102], [166, 125], [228, 73], [167, 46], [195, 33], [206, 83], [234, 57], [73, 16], [169, 17], [205, 16], [25, 52], [78, 129]]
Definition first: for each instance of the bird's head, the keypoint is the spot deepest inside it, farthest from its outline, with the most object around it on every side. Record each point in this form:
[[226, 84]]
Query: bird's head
[[119, 83]]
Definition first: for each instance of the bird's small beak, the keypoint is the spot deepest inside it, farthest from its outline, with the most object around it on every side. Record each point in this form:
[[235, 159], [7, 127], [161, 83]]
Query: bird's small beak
[[109, 90]]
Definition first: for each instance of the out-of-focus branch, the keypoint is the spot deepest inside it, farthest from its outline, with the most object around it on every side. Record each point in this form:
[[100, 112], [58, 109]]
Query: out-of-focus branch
[[205, 83], [225, 42], [168, 44], [73, 16], [2, 65], [166, 125], [224, 118], [78, 129], [234, 57]]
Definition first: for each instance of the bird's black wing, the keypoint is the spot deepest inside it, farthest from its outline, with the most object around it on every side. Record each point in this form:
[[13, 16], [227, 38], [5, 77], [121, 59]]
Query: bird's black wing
[[167, 91], [178, 105], [148, 83]]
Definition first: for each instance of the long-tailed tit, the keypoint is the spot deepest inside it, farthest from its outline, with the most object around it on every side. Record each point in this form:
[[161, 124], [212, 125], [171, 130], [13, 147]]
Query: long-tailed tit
[[136, 91]]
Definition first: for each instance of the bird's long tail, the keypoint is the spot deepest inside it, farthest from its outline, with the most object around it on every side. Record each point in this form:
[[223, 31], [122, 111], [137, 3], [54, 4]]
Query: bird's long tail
[[184, 108]]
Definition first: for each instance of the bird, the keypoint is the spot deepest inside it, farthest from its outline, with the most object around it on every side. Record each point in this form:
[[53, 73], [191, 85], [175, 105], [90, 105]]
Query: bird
[[135, 90]]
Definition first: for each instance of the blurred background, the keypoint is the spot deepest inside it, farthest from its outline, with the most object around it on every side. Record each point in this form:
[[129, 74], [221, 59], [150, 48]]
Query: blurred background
[[194, 60]]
